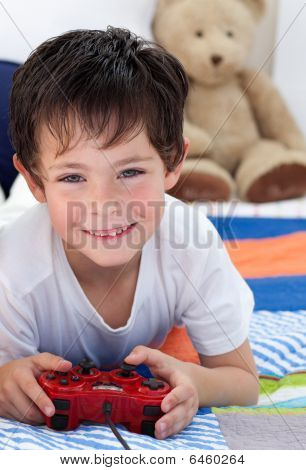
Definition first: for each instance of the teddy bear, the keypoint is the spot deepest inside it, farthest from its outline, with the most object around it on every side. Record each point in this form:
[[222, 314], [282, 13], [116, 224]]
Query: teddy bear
[[244, 142]]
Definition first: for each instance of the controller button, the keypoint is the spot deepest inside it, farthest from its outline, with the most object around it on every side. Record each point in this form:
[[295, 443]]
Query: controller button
[[64, 374], [63, 382], [153, 384], [59, 422], [148, 428], [61, 404], [152, 411], [126, 370], [75, 378], [51, 376]]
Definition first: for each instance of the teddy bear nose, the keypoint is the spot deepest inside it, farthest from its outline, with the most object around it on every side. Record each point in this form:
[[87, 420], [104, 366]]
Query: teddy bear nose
[[216, 59]]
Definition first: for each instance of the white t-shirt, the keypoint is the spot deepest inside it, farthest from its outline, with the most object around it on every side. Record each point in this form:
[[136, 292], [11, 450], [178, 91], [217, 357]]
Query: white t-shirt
[[185, 278]]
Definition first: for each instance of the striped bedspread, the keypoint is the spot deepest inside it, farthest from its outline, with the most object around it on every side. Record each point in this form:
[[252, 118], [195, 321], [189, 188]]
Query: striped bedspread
[[270, 252]]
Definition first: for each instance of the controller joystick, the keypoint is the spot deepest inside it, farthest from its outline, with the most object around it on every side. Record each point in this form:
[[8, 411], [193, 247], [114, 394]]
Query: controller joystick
[[85, 394], [86, 367]]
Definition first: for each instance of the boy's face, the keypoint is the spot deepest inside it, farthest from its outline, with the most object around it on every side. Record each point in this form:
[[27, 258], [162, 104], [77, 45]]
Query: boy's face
[[101, 192]]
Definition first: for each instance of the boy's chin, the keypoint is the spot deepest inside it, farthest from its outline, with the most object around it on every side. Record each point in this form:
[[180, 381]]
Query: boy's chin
[[111, 258]]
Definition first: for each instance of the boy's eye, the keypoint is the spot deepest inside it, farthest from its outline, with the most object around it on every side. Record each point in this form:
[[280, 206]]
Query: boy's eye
[[131, 173], [72, 179], [126, 174]]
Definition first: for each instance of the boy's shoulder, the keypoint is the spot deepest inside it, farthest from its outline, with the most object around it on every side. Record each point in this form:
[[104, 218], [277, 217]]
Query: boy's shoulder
[[185, 225], [26, 249], [185, 241]]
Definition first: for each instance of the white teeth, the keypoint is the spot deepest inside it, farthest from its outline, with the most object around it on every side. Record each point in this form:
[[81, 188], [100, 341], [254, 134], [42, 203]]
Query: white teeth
[[112, 233]]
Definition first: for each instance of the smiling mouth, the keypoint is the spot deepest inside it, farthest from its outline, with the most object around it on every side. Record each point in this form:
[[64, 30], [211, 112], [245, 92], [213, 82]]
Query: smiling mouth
[[114, 233]]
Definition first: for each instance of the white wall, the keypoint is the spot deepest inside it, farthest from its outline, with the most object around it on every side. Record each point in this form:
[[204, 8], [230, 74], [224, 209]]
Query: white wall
[[24, 24], [290, 59]]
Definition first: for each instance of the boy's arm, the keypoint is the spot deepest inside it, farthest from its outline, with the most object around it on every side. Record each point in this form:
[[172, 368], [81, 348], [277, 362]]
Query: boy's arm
[[18, 330], [230, 379], [226, 379], [21, 397]]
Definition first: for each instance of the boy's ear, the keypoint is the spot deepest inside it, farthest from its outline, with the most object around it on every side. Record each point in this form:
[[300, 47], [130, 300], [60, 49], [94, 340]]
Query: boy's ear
[[171, 177], [35, 189]]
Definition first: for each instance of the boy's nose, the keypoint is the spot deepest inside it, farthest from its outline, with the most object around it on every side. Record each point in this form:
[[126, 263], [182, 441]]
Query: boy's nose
[[108, 200], [106, 208], [102, 194]]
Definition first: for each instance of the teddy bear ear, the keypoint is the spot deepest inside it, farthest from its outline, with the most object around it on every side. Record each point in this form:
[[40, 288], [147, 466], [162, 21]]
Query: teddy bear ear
[[166, 3], [257, 7]]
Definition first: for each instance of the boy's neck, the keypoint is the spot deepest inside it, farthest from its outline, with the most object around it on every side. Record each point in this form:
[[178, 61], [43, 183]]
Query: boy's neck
[[89, 273]]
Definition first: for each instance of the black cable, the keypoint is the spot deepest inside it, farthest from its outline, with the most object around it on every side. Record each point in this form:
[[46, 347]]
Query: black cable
[[107, 410]]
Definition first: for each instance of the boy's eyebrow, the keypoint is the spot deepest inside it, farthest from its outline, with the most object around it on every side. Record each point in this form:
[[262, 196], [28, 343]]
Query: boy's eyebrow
[[124, 161]]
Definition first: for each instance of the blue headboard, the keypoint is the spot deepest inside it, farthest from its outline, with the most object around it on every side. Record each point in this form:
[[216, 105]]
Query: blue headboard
[[8, 172]]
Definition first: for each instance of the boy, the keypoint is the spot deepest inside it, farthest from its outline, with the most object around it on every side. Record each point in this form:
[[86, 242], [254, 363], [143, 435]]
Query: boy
[[102, 268]]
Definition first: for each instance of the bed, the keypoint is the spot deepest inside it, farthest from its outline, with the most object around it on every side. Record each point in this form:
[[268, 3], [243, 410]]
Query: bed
[[267, 244]]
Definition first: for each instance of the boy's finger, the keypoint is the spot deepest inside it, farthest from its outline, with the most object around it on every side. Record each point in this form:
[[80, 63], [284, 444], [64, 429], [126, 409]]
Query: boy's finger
[[31, 388], [178, 395], [146, 355], [176, 420], [153, 358], [24, 410], [9, 413], [45, 361]]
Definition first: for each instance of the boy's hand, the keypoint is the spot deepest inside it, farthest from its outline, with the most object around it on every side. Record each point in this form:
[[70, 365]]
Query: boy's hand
[[182, 403], [21, 397]]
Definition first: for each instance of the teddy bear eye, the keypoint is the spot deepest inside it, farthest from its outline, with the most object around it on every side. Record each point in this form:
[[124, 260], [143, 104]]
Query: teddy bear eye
[[199, 33], [230, 34]]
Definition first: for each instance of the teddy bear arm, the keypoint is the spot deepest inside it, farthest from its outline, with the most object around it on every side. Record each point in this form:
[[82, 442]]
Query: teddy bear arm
[[199, 138], [273, 117]]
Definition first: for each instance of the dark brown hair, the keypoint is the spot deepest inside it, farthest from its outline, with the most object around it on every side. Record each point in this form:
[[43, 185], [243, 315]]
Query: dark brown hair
[[93, 76]]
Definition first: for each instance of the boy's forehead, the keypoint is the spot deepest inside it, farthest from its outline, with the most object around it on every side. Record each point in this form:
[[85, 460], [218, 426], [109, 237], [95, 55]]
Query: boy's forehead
[[50, 144], [51, 147]]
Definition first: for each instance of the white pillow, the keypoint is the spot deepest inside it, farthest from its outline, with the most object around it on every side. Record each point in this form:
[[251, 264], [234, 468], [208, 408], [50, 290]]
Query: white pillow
[[19, 200]]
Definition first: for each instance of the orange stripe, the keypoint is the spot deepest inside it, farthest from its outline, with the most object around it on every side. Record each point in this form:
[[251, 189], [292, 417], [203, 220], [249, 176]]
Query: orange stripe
[[278, 256], [179, 345]]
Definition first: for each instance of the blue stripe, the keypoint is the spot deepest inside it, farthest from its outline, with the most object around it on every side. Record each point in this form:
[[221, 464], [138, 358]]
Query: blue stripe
[[280, 354], [290, 347], [279, 293], [203, 433], [231, 228], [276, 341], [268, 359], [13, 434]]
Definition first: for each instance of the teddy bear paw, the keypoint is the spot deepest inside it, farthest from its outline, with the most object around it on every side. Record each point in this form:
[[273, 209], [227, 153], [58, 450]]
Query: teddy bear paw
[[286, 181]]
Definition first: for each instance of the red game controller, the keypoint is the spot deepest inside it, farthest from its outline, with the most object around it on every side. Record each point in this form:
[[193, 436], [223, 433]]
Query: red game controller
[[87, 394]]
